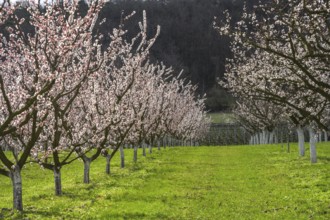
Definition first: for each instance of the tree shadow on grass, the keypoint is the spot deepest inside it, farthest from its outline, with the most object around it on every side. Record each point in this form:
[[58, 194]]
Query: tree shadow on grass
[[28, 211], [325, 159], [5, 213], [136, 215]]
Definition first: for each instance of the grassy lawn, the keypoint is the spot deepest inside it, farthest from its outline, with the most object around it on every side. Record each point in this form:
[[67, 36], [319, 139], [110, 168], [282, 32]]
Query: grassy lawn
[[221, 117], [239, 182]]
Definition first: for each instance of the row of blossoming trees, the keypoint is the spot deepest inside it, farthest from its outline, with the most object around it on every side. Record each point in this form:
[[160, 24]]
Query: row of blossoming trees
[[63, 95], [280, 67]]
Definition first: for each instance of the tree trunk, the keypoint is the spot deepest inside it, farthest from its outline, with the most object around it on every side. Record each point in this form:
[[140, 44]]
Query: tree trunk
[[281, 140], [288, 142], [144, 150], [107, 167], [122, 157], [150, 149], [58, 182], [312, 144], [276, 138], [258, 138], [301, 140], [16, 179], [325, 136], [135, 154], [271, 137], [158, 145], [319, 135], [87, 165]]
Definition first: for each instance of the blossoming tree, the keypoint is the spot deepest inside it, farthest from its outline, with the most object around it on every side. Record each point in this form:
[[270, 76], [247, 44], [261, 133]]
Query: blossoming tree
[[62, 95], [281, 54]]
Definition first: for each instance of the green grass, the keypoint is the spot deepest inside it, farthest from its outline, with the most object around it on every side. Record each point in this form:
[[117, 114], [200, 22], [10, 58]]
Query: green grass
[[239, 182], [221, 117]]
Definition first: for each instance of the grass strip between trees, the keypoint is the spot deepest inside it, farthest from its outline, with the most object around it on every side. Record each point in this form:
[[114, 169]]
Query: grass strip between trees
[[238, 182]]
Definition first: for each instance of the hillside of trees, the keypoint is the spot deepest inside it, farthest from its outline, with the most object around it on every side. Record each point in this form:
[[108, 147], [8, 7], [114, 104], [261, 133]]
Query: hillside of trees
[[187, 40]]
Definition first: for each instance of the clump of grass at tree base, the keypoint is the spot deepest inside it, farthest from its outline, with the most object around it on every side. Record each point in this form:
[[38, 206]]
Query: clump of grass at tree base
[[237, 182]]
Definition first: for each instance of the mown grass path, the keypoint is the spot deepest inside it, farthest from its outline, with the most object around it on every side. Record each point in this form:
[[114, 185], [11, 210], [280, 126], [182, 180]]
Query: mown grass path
[[239, 182]]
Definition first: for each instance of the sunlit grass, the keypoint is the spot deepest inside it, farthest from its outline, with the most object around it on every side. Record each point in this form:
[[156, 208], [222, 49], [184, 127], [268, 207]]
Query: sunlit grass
[[238, 182], [221, 117]]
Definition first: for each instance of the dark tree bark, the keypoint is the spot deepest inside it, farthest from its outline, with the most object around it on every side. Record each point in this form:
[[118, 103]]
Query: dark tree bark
[[144, 150], [107, 168], [158, 145], [58, 181], [122, 157], [87, 165], [135, 154]]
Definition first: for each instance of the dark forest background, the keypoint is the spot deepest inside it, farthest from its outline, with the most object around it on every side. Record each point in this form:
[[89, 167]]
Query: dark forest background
[[187, 41]]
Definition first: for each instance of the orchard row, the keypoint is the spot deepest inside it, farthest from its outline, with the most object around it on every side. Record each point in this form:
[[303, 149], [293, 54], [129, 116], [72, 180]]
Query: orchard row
[[280, 68], [63, 95]]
